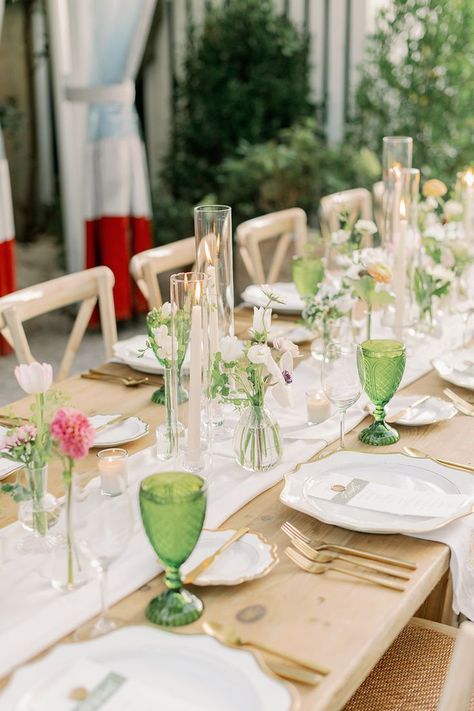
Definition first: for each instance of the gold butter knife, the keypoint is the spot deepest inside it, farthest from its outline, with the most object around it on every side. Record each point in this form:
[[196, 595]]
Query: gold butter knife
[[403, 413], [114, 421], [204, 565], [298, 674]]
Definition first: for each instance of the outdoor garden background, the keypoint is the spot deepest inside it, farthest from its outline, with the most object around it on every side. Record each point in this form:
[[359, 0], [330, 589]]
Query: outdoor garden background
[[242, 92]]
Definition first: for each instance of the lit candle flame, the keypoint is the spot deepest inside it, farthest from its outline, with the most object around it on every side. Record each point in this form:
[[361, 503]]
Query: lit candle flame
[[403, 209], [397, 169], [468, 177]]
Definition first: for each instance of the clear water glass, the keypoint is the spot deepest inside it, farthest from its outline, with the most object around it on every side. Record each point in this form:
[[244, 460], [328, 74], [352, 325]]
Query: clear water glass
[[340, 379]]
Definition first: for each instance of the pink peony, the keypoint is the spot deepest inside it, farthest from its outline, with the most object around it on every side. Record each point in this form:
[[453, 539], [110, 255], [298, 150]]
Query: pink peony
[[73, 432]]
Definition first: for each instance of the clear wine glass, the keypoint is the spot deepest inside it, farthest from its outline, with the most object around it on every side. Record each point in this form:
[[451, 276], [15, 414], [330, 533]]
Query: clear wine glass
[[103, 525], [341, 379]]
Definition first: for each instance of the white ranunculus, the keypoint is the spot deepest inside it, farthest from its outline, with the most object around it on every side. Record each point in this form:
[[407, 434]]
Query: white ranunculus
[[258, 354], [340, 237], [366, 226], [262, 319], [231, 348], [284, 345], [353, 272], [34, 378]]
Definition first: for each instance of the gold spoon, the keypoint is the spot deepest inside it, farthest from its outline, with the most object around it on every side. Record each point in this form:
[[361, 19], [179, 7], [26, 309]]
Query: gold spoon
[[230, 637], [418, 454]]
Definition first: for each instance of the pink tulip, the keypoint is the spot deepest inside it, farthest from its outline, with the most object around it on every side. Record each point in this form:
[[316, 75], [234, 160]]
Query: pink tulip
[[34, 378]]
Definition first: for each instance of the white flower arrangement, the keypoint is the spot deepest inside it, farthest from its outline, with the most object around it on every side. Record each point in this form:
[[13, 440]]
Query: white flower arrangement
[[243, 372]]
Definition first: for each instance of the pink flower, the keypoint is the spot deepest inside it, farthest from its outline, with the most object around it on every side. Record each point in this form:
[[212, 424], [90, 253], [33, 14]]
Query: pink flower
[[73, 432], [283, 345], [34, 378], [19, 437]]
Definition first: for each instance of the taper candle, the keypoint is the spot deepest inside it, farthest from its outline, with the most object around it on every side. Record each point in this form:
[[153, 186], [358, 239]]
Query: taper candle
[[194, 405]]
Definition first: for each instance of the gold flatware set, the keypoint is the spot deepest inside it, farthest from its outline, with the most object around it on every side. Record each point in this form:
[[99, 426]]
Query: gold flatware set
[[319, 559], [128, 381]]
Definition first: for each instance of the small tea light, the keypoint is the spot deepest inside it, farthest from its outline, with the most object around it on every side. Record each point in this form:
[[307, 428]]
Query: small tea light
[[113, 471], [318, 407]]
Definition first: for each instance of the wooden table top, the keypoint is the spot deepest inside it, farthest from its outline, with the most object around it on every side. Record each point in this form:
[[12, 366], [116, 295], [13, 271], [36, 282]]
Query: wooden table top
[[341, 623]]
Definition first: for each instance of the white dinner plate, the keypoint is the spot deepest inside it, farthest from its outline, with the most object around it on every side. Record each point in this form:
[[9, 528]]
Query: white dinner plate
[[129, 352], [457, 367], [293, 303], [248, 558], [390, 469], [186, 672], [429, 412], [127, 431]]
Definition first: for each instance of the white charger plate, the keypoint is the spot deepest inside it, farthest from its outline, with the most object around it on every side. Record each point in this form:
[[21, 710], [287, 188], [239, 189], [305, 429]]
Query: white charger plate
[[429, 412], [129, 430], [456, 367], [248, 558], [254, 296], [390, 469], [188, 672], [128, 352]]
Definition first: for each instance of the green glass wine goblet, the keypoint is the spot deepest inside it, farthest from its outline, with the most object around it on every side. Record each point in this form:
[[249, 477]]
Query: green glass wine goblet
[[172, 506], [381, 364], [307, 273]]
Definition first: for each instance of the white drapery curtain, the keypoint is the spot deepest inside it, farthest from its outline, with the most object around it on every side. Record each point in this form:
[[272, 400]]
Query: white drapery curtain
[[7, 228], [103, 49]]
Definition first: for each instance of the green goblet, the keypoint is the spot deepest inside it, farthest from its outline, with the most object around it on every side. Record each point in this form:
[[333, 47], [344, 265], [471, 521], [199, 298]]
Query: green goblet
[[173, 505], [381, 364], [307, 273]]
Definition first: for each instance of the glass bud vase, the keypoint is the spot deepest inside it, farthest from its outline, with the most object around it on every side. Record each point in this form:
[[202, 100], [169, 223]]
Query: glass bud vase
[[257, 441], [38, 513], [68, 569]]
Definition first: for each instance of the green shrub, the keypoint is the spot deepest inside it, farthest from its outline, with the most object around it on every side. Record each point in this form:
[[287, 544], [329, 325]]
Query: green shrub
[[245, 77], [418, 80]]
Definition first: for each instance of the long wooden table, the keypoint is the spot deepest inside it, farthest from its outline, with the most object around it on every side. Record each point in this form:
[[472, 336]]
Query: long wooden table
[[344, 624]]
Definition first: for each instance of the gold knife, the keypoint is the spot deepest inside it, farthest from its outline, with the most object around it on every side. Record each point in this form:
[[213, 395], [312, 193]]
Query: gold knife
[[287, 671], [204, 565], [402, 413], [113, 421]]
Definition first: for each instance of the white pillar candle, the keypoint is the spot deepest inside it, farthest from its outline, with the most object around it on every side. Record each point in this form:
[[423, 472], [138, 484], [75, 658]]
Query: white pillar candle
[[194, 405], [318, 407], [113, 471], [213, 315], [468, 182], [400, 272]]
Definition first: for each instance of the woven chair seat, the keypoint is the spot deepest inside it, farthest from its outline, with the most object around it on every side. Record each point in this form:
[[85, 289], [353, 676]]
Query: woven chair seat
[[410, 676]]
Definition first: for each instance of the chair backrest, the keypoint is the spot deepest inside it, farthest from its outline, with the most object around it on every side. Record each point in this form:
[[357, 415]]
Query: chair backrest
[[286, 225], [459, 685], [377, 194], [90, 287], [145, 266], [358, 203]]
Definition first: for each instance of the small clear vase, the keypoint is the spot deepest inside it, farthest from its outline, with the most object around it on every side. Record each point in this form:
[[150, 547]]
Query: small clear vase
[[170, 434], [38, 513], [257, 441], [68, 569]]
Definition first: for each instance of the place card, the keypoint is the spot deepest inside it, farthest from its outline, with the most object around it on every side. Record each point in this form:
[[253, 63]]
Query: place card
[[360, 493], [89, 686]]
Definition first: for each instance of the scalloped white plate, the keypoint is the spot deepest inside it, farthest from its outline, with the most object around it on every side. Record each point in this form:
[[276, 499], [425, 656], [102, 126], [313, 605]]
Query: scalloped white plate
[[398, 470], [188, 672], [248, 558], [254, 296], [129, 430]]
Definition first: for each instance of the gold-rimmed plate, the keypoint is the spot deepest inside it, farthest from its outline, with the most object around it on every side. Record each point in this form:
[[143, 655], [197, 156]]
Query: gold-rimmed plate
[[127, 430], [249, 558], [390, 469]]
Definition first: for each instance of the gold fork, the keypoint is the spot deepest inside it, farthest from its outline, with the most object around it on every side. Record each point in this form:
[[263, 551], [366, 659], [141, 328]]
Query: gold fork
[[323, 557], [293, 532], [320, 568]]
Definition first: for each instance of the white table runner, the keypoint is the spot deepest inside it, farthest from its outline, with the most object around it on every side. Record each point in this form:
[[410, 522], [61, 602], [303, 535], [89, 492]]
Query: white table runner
[[34, 616]]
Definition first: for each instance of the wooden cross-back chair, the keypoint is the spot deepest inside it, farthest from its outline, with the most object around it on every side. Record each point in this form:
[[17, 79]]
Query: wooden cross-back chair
[[146, 266], [91, 287], [429, 666], [358, 202], [287, 226]]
